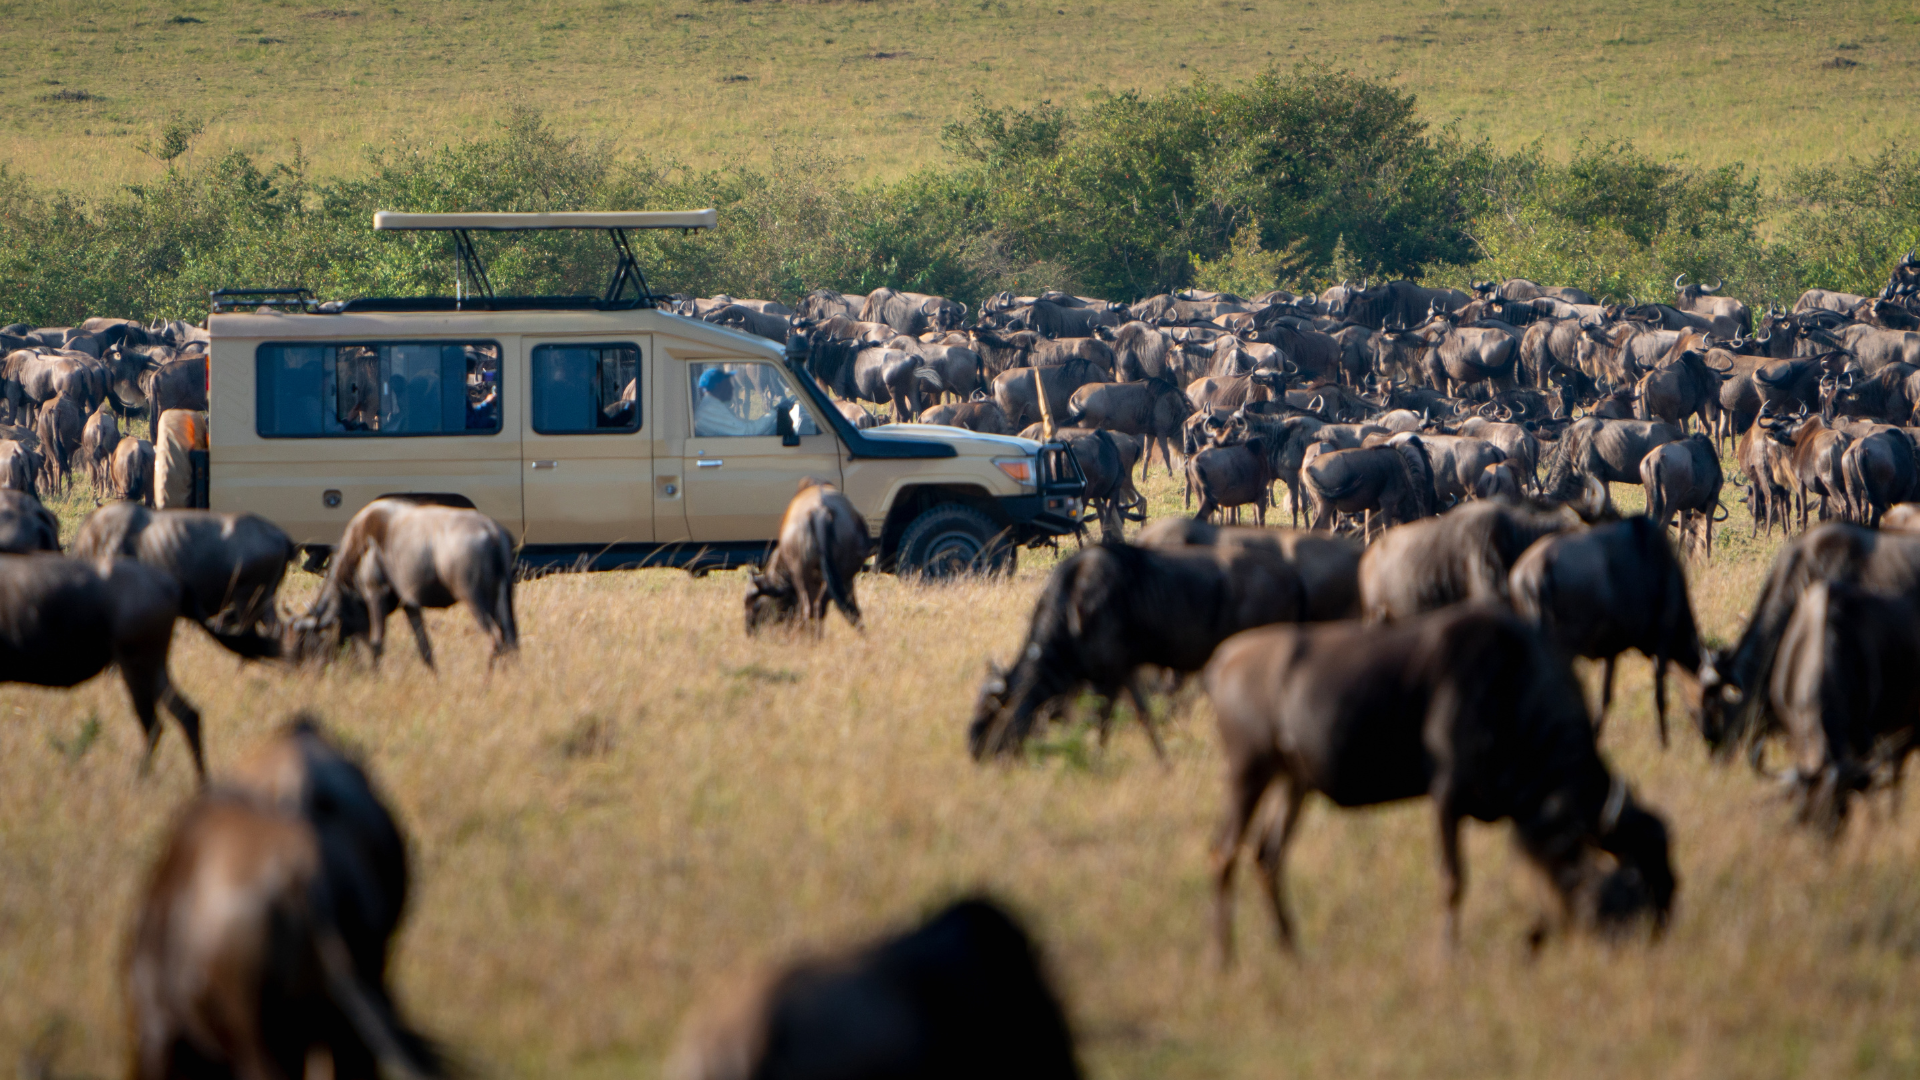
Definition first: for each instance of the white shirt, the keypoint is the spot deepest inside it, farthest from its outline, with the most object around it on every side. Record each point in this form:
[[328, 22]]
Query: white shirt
[[713, 419]]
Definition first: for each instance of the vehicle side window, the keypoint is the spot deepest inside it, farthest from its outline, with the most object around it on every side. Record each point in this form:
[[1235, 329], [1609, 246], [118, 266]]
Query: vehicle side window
[[584, 389], [732, 399], [377, 388]]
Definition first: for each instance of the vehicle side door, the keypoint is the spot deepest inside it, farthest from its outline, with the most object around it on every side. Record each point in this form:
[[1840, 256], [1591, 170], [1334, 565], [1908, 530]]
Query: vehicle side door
[[587, 460], [738, 469]]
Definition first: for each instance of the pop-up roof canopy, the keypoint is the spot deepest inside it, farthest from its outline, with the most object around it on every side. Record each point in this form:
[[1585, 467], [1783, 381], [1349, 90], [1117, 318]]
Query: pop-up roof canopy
[[388, 221]]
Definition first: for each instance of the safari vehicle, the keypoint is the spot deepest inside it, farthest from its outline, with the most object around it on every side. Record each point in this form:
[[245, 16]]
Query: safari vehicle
[[603, 432]]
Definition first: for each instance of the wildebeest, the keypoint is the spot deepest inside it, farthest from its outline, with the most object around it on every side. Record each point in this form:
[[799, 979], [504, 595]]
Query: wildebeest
[[1498, 482], [983, 416], [177, 384], [1602, 591], [261, 942], [961, 996], [400, 553], [60, 428], [1109, 610], [1769, 475], [1467, 706], [1230, 475], [1882, 468], [1609, 451], [1816, 454], [1726, 311], [1683, 477], [1013, 390], [858, 371], [99, 438], [19, 468], [1152, 409], [25, 525], [1328, 566], [912, 313], [1395, 480], [1464, 554], [1846, 687], [231, 565], [823, 543], [1459, 356], [131, 471], [63, 621]]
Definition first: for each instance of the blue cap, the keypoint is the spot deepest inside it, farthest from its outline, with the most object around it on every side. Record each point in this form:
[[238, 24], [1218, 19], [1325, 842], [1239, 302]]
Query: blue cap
[[713, 377]]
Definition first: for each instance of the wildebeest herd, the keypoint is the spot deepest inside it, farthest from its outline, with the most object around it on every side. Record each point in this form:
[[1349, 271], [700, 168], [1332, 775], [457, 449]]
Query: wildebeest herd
[[1451, 454]]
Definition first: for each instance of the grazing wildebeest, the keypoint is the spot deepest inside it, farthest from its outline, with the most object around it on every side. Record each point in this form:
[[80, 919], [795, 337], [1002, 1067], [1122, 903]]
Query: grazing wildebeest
[[1464, 554], [1520, 446], [1846, 687], [231, 565], [1497, 482], [25, 525], [961, 996], [1152, 409], [1683, 477], [1328, 566], [1609, 451], [1466, 705], [857, 415], [823, 544], [262, 938], [1735, 709], [63, 621], [400, 553], [1602, 591], [131, 471], [1396, 480], [1109, 610]]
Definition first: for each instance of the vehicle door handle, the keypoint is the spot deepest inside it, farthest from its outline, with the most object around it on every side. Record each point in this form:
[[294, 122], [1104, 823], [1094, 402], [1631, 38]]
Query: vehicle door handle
[[546, 464], [708, 464]]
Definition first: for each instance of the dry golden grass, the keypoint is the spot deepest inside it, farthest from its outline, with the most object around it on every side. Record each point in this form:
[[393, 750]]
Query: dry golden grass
[[712, 81], [648, 802]]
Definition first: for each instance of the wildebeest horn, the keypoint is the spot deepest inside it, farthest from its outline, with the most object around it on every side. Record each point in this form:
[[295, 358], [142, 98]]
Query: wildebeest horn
[[1486, 410], [1715, 287], [1316, 403], [1677, 281], [1507, 413]]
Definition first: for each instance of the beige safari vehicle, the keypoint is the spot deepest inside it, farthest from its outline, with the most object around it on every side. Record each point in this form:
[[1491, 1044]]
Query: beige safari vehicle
[[603, 432]]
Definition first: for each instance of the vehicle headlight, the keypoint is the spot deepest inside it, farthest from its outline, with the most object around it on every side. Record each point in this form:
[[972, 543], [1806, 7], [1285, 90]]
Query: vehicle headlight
[[1020, 469]]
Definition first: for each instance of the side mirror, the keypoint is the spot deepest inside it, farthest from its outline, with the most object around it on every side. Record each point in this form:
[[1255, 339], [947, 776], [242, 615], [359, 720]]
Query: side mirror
[[783, 423]]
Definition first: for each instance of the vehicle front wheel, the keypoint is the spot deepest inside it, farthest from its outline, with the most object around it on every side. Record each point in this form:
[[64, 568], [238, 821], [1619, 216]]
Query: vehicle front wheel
[[951, 540]]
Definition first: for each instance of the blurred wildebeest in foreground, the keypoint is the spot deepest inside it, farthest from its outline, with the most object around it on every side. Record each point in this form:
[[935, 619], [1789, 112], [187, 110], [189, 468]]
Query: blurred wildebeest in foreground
[[961, 996], [230, 564], [1328, 566], [1602, 591], [397, 552], [261, 943], [1467, 705], [25, 525], [823, 544], [1846, 686], [1464, 554], [1110, 610], [63, 621]]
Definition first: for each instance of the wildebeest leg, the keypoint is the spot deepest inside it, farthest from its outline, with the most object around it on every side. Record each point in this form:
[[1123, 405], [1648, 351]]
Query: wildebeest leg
[[1146, 717], [1273, 857], [188, 718], [1660, 696], [1207, 507], [148, 687], [1246, 782], [1606, 698], [1453, 872], [420, 641]]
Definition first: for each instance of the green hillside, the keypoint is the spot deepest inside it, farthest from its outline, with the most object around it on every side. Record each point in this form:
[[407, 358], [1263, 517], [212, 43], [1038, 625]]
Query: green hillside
[[714, 80]]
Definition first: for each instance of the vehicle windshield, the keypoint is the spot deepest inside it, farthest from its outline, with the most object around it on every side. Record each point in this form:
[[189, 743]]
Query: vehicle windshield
[[743, 399]]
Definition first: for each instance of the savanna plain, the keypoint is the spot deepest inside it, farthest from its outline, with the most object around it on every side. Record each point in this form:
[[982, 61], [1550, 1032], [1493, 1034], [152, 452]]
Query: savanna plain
[[646, 805]]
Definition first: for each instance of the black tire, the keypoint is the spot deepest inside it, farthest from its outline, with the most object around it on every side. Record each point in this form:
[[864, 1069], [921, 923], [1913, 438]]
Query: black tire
[[951, 540]]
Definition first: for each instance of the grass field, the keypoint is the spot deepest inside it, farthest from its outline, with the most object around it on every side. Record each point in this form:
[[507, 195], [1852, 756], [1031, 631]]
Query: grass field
[[710, 81], [648, 804]]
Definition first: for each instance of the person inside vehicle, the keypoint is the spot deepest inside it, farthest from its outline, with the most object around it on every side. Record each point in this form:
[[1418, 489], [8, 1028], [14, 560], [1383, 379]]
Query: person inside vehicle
[[716, 415]]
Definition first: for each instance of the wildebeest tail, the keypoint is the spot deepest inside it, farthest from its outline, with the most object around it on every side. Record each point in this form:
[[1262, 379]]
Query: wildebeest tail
[[837, 588], [1859, 497], [503, 597]]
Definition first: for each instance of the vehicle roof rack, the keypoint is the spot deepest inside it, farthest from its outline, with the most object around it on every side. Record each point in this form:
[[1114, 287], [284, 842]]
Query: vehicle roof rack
[[249, 299]]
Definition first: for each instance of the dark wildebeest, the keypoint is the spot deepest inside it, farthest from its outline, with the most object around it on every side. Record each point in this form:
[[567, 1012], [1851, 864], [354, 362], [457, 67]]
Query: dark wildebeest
[[1459, 356], [400, 553], [1109, 610], [1522, 289], [1881, 468], [961, 996], [25, 525], [1013, 390], [131, 471], [1141, 352], [912, 313], [1846, 687], [774, 328], [97, 442], [1458, 461], [1000, 353], [1052, 320], [1817, 456], [60, 427], [823, 544], [63, 621], [1725, 311], [825, 304], [1468, 706], [1735, 706], [1769, 474], [231, 565], [1151, 409], [1846, 304], [1232, 474], [1876, 348], [986, 417], [1498, 482], [1609, 451], [1520, 447], [1231, 392], [1683, 477], [19, 468], [1602, 591], [1329, 566], [857, 371], [1106, 459], [263, 937], [1678, 390], [177, 384], [857, 415], [1396, 480], [1464, 554]]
